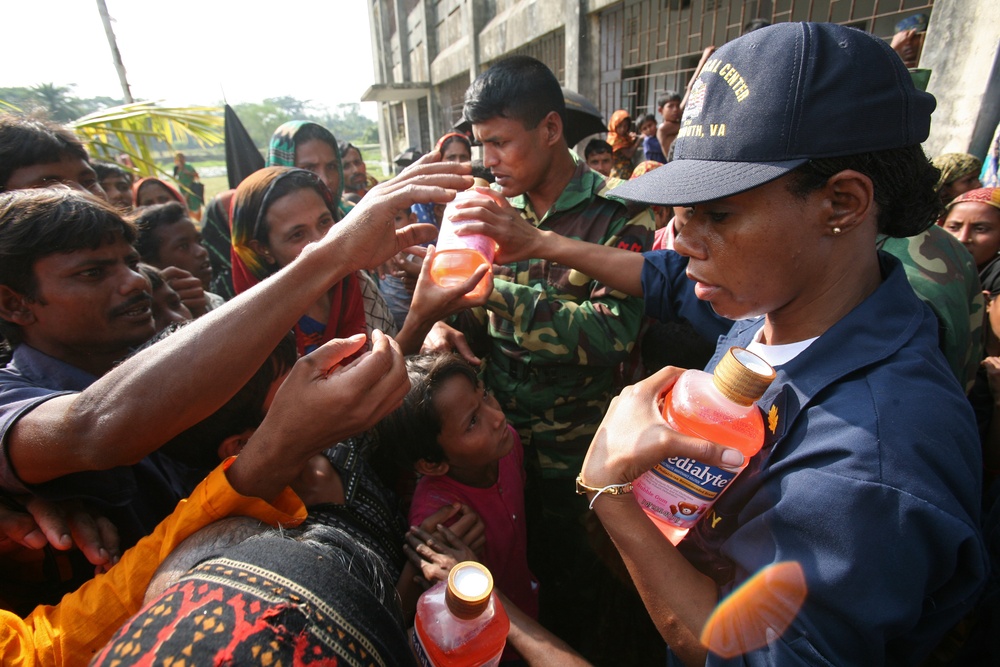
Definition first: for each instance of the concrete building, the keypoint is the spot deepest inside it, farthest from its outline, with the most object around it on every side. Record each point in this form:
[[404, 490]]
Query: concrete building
[[622, 54]]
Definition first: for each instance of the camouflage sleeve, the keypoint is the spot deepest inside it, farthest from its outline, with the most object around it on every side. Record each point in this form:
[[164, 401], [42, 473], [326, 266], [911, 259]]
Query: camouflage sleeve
[[567, 317]]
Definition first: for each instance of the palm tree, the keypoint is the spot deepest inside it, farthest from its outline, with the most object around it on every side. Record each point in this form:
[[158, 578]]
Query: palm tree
[[134, 128], [57, 100]]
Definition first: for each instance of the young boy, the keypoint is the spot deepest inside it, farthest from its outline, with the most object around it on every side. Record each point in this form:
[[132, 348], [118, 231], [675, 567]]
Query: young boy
[[669, 106], [453, 432], [650, 144]]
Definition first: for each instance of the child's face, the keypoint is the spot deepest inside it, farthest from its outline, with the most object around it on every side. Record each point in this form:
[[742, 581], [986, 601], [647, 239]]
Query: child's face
[[474, 431], [648, 128], [671, 111]]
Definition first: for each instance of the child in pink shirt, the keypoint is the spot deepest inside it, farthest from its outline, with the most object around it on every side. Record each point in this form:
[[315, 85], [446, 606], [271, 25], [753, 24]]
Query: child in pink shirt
[[453, 432]]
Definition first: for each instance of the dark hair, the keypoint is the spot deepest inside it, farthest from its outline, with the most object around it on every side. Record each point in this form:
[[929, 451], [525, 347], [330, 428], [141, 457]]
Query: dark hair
[[902, 178], [153, 275], [150, 218], [198, 446], [668, 96], [519, 88], [480, 170], [648, 118], [311, 131], [29, 141], [596, 147], [41, 222], [411, 431], [343, 146], [108, 169], [755, 24]]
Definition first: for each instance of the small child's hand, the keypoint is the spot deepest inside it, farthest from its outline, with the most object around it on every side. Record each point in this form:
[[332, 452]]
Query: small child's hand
[[469, 528], [434, 557]]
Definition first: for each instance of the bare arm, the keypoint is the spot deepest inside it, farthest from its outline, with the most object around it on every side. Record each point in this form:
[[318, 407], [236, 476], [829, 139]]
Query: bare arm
[[150, 398], [432, 303], [519, 239], [631, 439]]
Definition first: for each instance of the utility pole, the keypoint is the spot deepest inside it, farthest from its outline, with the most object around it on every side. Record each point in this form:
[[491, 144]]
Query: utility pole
[[115, 55]]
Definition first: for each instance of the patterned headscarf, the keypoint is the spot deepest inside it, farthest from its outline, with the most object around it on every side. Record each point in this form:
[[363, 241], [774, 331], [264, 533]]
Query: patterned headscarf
[[281, 153], [988, 196], [271, 600], [954, 166], [149, 179], [249, 210], [617, 141], [644, 167]]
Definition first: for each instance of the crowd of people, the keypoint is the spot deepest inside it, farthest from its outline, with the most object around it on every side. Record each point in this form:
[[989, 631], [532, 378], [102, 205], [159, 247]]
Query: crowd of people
[[258, 437]]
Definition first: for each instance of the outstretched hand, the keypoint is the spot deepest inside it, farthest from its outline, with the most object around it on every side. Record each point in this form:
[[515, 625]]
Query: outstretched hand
[[368, 234], [633, 437], [436, 556], [320, 403]]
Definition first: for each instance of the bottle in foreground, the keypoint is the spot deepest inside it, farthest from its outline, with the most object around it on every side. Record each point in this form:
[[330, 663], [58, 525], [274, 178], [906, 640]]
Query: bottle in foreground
[[457, 257], [720, 407], [460, 622]]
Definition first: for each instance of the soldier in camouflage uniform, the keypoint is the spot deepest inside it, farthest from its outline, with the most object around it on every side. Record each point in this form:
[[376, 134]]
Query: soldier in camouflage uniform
[[943, 274], [554, 337]]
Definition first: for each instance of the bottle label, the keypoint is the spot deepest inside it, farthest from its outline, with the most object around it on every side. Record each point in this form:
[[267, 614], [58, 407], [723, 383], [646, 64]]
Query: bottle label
[[418, 649], [679, 490]]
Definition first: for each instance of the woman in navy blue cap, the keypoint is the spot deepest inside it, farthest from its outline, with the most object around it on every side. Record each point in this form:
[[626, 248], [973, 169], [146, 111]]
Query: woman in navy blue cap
[[799, 144]]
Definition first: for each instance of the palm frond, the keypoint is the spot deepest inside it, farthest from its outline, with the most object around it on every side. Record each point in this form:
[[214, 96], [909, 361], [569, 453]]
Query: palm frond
[[133, 128]]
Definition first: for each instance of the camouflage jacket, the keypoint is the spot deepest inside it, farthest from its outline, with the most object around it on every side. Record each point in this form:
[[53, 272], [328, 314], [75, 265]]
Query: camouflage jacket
[[556, 336], [943, 274]]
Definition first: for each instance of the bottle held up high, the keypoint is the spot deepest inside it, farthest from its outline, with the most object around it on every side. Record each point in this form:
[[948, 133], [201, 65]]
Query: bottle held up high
[[457, 257], [720, 407]]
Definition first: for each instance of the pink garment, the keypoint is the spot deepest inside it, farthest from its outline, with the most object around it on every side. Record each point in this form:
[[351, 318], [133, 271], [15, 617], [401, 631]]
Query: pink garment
[[663, 238], [501, 507]]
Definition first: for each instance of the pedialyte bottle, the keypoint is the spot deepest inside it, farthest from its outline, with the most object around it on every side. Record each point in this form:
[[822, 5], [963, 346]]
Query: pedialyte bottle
[[720, 407], [461, 622], [456, 257]]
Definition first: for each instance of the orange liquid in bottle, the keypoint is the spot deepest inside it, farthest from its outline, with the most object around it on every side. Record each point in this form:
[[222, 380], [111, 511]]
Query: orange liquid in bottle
[[679, 491], [453, 267], [484, 647]]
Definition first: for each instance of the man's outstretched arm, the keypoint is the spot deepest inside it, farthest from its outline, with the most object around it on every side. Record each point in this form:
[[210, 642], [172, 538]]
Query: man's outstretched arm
[[176, 383]]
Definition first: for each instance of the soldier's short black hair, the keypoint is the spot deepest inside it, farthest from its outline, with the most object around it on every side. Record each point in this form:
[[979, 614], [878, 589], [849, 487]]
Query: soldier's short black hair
[[520, 88], [596, 146]]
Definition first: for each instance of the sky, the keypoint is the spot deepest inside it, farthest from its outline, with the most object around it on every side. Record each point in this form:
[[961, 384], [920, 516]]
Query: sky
[[191, 52]]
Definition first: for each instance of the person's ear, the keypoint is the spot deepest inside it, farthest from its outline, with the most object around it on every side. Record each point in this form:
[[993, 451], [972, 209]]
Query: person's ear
[[851, 199], [234, 444], [15, 307], [261, 250], [425, 467], [553, 128]]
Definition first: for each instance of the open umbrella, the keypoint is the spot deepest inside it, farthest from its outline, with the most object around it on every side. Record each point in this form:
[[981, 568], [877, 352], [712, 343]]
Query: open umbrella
[[583, 118], [242, 156]]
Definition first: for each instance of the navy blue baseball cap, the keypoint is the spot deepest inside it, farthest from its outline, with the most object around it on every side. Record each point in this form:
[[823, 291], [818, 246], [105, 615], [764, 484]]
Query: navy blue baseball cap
[[777, 97]]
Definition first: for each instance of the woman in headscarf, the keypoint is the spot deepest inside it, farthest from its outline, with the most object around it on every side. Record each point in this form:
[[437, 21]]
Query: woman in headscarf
[[973, 218], [959, 173], [623, 144], [150, 191], [277, 211], [307, 145]]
